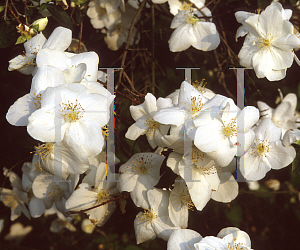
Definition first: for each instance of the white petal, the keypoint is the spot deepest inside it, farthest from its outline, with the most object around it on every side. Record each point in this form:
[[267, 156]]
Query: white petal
[[280, 156], [182, 38], [228, 189], [19, 112], [60, 39], [183, 239], [207, 37]]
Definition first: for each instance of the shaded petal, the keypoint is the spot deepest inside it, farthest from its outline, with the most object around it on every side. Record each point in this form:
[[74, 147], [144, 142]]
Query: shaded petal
[[19, 112]]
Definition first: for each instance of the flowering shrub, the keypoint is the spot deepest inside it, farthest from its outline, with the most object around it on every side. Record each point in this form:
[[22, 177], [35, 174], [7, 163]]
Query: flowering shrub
[[131, 152]]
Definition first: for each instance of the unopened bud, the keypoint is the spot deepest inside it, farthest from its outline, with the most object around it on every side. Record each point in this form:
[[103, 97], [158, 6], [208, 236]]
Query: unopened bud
[[273, 184], [40, 24]]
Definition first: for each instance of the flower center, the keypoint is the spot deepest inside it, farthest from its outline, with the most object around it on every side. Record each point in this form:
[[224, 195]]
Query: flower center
[[36, 100], [197, 155], [260, 147], [71, 112], [153, 126], [186, 200], [141, 165], [186, 6], [206, 170], [45, 150], [264, 42], [190, 17], [103, 196], [235, 246], [9, 201], [147, 216], [230, 129], [54, 192], [101, 11]]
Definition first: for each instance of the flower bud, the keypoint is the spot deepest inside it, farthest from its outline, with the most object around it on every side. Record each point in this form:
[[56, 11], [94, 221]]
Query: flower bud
[[40, 23]]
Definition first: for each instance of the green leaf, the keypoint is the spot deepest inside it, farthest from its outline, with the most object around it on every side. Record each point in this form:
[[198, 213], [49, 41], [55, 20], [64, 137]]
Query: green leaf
[[2, 8], [234, 215], [20, 40], [8, 35], [296, 162], [44, 6], [29, 11], [60, 16]]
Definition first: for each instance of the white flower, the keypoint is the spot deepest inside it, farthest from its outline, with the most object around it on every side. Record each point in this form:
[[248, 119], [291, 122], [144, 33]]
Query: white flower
[[93, 191], [30, 170], [217, 132], [266, 153], [268, 47], [228, 238], [241, 17], [139, 174], [60, 39], [60, 223], [290, 137], [180, 202], [203, 178], [15, 198], [285, 115], [17, 232], [60, 160], [52, 190], [99, 16], [191, 30], [81, 117], [190, 104], [117, 34], [145, 124], [183, 239], [155, 221]]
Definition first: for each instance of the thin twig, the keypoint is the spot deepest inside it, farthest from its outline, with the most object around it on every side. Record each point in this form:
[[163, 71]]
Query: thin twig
[[13, 13], [121, 93], [221, 79], [128, 38], [12, 3], [153, 48], [207, 4], [99, 205], [5, 11], [80, 36], [129, 81]]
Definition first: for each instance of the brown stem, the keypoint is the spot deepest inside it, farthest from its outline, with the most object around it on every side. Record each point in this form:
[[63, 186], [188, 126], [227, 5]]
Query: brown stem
[[13, 13], [5, 11], [221, 79], [80, 36], [128, 38], [121, 93], [99, 205]]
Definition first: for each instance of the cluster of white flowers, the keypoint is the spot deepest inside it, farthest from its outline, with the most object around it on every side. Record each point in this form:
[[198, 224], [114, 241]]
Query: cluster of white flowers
[[207, 136], [67, 110], [112, 19], [270, 40]]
